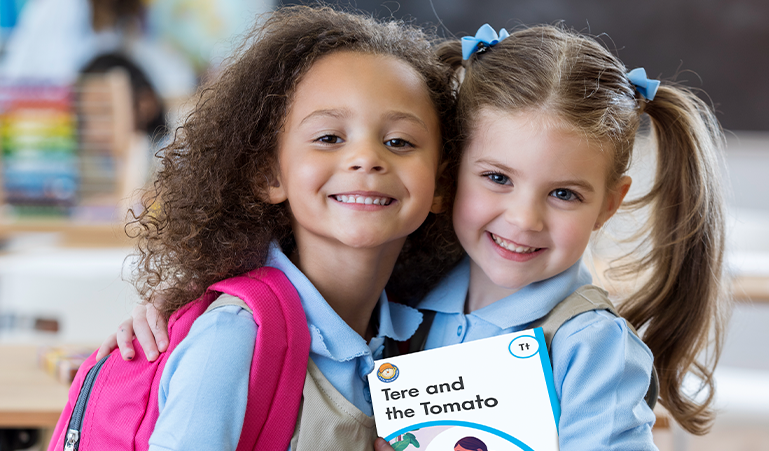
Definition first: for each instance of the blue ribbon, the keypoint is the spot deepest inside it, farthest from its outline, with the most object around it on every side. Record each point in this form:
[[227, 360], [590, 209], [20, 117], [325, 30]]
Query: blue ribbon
[[647, 88], [486, 36]]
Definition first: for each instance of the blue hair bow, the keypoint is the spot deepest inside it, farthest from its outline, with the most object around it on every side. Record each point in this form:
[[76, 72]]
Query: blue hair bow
[[647, 88], [486, 36]]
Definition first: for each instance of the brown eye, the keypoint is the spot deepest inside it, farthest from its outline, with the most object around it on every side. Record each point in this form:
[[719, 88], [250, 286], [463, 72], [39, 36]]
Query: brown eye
[[329, 139], [397, 142]]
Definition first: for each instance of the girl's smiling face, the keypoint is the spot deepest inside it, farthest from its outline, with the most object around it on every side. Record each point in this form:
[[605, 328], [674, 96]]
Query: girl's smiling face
[[359, 152], [530, 192]]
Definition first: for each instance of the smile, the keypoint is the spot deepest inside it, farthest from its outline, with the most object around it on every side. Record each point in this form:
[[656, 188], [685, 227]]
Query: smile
[[364, 200], [512, 247]]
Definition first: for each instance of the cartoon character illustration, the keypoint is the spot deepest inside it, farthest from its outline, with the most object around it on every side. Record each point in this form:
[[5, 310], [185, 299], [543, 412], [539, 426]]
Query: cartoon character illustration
[[470, 444], [387, 372], [404, 442]]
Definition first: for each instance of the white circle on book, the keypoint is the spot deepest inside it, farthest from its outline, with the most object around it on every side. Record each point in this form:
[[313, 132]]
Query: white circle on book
[[524, 346]]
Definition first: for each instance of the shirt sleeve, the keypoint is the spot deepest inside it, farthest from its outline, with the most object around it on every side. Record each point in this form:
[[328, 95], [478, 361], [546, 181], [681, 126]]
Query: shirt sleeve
[[204, 386], [602, 372]]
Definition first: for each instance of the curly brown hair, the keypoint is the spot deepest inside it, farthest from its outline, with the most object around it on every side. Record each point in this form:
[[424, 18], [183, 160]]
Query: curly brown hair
[[571, 76], [204, 219]]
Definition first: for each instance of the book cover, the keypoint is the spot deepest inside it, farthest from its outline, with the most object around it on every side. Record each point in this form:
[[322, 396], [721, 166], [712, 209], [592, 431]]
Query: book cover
[[491, 394]]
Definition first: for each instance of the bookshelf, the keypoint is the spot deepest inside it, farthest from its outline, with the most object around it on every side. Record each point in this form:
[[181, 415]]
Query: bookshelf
[[62, 135]]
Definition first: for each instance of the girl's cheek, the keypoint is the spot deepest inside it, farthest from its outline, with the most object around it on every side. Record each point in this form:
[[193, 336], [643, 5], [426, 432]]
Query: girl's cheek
[[469, 204]]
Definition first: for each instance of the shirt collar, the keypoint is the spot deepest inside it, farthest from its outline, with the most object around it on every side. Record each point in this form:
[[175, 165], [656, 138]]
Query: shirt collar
[[520, 308], [331, 336]]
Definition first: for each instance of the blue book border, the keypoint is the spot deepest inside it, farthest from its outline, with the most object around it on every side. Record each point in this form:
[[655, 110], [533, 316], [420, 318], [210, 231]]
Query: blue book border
[[544, 358]]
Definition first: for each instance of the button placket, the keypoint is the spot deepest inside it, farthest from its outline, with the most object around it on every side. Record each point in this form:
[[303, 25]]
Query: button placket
[[461, 328]]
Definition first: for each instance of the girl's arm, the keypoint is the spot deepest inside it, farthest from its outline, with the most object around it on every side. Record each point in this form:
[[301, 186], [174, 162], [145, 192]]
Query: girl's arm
[[150, 329], [204, 386], [602, 372]]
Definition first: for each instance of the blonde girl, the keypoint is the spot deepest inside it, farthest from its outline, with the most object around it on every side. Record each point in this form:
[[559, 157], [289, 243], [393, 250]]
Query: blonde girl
[[548, 123]]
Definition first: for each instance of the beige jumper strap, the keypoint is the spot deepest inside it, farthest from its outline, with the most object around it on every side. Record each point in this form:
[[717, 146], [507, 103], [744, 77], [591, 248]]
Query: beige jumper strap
[[328, 421], [228, 299], [586, 298]]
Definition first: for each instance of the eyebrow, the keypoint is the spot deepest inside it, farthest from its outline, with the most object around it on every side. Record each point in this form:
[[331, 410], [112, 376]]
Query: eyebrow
[[340, 113], [344, 113], [403, 116], [497, 165], [504, 168]]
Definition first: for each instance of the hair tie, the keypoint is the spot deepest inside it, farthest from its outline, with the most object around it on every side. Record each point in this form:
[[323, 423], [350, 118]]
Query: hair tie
[[646, 87], [485, 37]]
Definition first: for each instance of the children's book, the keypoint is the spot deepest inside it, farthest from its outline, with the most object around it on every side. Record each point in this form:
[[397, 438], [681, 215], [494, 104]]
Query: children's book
[[491, 394]]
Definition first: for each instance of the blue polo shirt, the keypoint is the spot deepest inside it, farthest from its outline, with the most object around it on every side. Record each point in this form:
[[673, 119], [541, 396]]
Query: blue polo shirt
[[601, 369], [204, 385]]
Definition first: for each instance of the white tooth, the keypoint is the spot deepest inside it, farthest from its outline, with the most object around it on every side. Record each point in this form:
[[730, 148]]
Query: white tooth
[[360, 200], [376, 201], [519, 249], [342, 198], [369, 201], [350, 199]]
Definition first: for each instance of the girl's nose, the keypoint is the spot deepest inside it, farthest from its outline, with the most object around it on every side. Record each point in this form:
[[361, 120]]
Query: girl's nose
[[367, 157], [525, 214]]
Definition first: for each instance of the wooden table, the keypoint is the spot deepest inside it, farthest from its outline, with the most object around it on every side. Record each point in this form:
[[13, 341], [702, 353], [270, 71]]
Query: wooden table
[[29, 397], [73, 234], [751, 288]]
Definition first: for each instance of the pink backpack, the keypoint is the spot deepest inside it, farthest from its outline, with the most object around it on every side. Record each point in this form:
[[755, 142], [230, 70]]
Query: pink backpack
[[113, 404]]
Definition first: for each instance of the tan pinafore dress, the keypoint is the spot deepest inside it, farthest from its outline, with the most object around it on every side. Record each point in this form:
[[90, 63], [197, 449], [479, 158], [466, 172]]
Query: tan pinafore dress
[[326, 420]]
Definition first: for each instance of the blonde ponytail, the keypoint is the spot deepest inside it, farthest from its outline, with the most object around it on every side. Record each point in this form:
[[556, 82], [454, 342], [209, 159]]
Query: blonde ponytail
[[682, 302]]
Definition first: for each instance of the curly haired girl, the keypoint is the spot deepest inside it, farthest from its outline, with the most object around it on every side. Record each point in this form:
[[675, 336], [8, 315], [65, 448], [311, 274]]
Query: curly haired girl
[[316, 152]]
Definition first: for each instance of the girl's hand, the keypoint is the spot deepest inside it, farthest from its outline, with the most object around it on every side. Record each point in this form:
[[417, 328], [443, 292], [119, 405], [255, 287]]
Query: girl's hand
[[381, 444], [148, 326]]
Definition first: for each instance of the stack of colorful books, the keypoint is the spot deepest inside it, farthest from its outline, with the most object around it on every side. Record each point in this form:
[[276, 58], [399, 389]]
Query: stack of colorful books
[[38, 136], [62, 362]]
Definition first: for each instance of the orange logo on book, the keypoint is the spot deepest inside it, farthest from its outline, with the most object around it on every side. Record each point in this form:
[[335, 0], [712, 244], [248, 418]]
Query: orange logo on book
[[387, 372]]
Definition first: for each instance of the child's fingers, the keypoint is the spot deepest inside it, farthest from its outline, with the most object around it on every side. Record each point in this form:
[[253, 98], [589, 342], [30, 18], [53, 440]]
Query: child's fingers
[[143, 331], [158, 326], [381, 444], [107, 346], [124, 338]]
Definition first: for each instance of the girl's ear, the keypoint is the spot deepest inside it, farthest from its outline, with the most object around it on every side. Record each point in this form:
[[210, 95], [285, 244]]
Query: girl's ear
[[613, 200], [441, 185], [275, 193], [437, 206]]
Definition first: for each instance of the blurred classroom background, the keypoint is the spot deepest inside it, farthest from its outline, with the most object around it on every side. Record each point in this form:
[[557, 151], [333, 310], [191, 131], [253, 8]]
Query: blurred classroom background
[[90, 88]]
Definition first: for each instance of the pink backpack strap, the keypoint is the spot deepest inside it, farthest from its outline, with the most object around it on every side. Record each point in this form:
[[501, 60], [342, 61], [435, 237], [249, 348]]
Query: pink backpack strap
[[280, 358]]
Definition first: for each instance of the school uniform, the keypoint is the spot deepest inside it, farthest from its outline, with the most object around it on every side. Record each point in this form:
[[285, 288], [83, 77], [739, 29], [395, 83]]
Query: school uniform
[[601, 369], [203, 388]]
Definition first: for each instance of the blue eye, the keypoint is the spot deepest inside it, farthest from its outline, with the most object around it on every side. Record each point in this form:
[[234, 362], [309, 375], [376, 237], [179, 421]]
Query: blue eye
[[329, 139], [397, 142], [565, 194], [497, 178]]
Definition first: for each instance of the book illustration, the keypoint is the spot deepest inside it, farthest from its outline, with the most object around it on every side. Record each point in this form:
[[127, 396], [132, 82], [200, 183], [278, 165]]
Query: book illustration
[[491, 394], [470, 444], [387, 372]]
